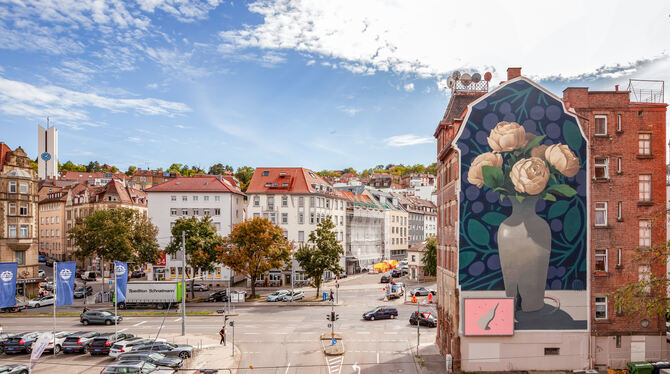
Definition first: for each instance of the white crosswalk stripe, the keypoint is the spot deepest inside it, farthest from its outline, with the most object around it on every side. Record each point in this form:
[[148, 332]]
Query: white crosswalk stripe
[[335, 364]]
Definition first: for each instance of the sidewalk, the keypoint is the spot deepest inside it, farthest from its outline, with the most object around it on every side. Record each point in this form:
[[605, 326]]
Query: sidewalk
[[210, 354], [430, 360]]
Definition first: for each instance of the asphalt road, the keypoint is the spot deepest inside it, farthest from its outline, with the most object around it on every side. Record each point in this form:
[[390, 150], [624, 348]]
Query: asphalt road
[[285, 339]]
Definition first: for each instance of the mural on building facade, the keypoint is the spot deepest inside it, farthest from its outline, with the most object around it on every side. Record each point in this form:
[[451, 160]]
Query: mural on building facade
[[523, 208]]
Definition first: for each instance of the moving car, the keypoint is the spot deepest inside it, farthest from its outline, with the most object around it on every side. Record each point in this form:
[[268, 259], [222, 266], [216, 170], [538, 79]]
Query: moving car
[[198, 287], [102, 344], [21, 343], [99, 317], [128, 345], [82, 292], [217, 296], [422, 291], [423, 318], [293, 295], [137, 367], [396, 273], [182, 351], [60, 338], [155, 358], [13, 369], [381, 312], [385, 279], [41, 274], [79, 341], [88, 276], [277, 295]]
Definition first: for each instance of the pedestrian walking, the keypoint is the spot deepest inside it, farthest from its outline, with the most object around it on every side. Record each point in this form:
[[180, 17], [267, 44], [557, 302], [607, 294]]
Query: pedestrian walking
[[222, 334]]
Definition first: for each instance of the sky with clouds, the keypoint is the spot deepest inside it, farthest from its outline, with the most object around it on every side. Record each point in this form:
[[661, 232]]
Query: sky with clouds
[[320, 84]]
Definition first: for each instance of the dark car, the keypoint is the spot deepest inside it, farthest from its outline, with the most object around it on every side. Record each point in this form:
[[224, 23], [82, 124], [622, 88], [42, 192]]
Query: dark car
[[396, 273], [137, 274], [21, 343], [385, 279], [13, 369], [82, 292], [79, 341], [381, 312], [424, 318], [217, 296], [155, 358], [101, 344], [99, 317], [182, 351], [3, 339]]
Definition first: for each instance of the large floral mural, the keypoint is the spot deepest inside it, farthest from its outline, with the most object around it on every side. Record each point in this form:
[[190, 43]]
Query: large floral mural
[[523, 208]]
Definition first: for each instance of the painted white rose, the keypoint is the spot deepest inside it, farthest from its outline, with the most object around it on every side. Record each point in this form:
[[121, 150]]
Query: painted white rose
[[507, 136], [563, 159], [530, 175], [475, 176], [538, 151]]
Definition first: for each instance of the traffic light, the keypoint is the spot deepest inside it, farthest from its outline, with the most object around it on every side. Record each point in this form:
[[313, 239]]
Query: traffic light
[[332, 317]]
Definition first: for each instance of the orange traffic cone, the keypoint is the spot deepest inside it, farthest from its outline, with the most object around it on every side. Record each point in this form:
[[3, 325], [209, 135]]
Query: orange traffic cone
[[430, 297], [413, 298]]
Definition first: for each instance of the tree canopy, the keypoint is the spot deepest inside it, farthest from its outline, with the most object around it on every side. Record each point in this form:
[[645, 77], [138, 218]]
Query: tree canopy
[[254, 247], [219, 169], [429, 257], [244, 174], [322, 252]]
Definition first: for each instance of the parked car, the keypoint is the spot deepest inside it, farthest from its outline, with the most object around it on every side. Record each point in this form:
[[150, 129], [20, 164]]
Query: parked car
[[385, 279], [182, 351], [99, 317], [396, 273], [49, 286], [49, 262], [128, 345], [60, 338], [423, 318], [101, 344], [79, 341], [217, 296], [277, 295], [198, 287], [155, 358], [41, 259], [137, 274], [137, 367], [42, 301], [41, 274], [21, 343], [88, 276], [293, 295], [3, 339], [381, 312], [82, 292], [422, 291], [13, 369]]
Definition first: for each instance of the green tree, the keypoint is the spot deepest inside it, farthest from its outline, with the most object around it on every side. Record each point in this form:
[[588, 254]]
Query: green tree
[[429, 257], [220, 169], [93, 167], [254, 247], [175, 168], [33, 164], [71, 166], [201, 243], [131, 171], [322, 252], [349, 170], [432, 168], [244, 174]]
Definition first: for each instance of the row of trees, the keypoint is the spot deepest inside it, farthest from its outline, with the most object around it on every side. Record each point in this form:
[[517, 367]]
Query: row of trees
[[252, 248], [390, 168]]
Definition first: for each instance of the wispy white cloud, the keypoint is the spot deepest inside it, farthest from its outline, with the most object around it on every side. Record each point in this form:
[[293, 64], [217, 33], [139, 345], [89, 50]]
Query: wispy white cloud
[[182, 127], [310, 62], [134, 139], [350, 111], [407, 140], [175, 61], [183, 10], [409, 87]]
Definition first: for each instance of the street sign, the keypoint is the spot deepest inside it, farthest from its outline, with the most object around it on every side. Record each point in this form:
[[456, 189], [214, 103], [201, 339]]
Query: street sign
[[334, 341], [232, 323], [330, 325], [110, 283]]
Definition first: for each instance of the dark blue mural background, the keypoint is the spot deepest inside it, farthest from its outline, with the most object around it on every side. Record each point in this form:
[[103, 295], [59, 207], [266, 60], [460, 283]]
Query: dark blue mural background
[[482, 211]]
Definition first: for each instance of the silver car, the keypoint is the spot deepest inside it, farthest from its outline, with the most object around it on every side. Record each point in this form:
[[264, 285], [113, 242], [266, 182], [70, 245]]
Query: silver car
[[293, 295], [127, 345], [277, 295]]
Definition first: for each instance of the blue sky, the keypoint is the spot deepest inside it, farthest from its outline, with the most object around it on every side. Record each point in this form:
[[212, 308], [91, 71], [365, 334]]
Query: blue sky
[[320, 84]]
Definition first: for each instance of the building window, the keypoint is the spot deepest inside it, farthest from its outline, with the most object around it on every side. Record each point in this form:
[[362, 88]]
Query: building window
[[184, 198], [601, 260], [195, 198], [205, 212], [257, 215], [645, 234], [23, 209], [341, 220], [20, 257], [301, 218], [601, 171], [311, 201], [301, 201], [284, 218], [184, 212], [301, 236], [601, 307], [618, 123], [644, 183], [12, 209], [601, 213], [617, 340], [24, 188], [644, 144], [12, 231], [273, 218], [217, 211], [196, 212], [257, 200], [284, 201], [24, 231], [173, 198], [266, 173], [206, 198], [217, 198], [12, 186], [619, 165], [413, 258], [173, 212], [601, 125], [644, 277], [271, 202], [618, 257], [311, 218], [619, 211], [552, 351]]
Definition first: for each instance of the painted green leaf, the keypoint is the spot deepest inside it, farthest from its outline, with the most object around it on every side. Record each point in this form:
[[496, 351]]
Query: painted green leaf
[[478, 233], [494, 218], [534, 142], [520, 198], [466, 258], [562, 189], [493, 176], [572, 223], [549, 197], [572, 135], [557, 209]]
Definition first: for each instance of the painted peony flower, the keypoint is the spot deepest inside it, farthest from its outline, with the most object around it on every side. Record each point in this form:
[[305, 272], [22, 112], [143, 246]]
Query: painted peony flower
[[485, 159], [563, 159], [538, 151], [507, 136], [530, 175]]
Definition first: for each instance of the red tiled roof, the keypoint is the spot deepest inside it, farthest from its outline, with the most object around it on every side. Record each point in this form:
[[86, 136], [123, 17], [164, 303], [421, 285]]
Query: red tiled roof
[[81, 176], [4, 151], [197, 183], [288, 180], [125, 194]]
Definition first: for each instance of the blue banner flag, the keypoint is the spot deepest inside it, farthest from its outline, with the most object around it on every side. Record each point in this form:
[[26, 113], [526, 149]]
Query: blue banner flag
[[8, 272], [65, 282], [121, 272]]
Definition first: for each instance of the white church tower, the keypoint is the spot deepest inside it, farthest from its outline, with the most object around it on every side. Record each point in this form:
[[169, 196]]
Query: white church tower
[[47, 146]]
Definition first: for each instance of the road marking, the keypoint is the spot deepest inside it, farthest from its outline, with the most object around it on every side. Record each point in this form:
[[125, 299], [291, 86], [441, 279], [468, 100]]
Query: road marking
[[178, 319], [252, 333], [279, 333], [363, 332], [139, 323], [287, 367], [122, 330], [391, 332], [377, 357], [335, 364]]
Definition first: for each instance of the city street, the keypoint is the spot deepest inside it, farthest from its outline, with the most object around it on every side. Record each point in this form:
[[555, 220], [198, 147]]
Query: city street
[[275, 338]]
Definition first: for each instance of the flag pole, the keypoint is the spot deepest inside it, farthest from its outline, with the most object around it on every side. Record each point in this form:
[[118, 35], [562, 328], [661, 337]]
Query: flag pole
[[116, 316], [55, 302]]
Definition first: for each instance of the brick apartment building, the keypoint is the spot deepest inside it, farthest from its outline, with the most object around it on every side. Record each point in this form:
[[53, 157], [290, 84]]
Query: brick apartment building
[[616, 148], [143, 179], [628, 191]]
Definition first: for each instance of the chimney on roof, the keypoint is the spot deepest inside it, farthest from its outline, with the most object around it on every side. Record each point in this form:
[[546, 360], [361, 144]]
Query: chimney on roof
[[616, 88], [513, 73]]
